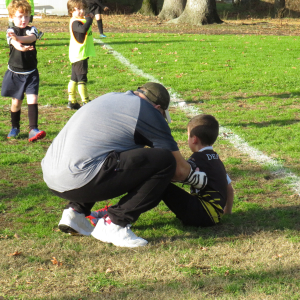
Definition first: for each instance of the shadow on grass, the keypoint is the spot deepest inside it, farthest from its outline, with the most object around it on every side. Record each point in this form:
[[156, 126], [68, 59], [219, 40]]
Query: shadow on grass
[[204, 282], [246, 222]]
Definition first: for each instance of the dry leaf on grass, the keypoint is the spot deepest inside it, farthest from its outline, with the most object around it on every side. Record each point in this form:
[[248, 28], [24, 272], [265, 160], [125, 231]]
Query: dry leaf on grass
[[56, 262], [16, 236], [109, 270], [226, 273], [16, 253]]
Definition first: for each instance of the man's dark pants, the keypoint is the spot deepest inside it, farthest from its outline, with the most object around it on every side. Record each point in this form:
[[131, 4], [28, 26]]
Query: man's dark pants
[[141, 174]]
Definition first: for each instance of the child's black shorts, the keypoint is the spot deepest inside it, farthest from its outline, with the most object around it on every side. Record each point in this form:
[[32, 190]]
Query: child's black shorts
[[15, 85], [80, 70], [95, 9]]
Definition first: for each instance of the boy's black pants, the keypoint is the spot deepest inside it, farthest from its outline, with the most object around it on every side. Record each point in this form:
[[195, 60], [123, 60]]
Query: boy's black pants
[[186, 207], [140, 175]]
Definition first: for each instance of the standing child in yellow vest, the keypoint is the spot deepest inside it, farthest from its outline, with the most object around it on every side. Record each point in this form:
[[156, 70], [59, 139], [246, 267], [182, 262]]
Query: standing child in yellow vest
[[81, 48]]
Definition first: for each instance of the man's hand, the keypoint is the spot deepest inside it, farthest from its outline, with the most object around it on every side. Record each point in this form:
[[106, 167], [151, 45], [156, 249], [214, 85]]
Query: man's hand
[[196, 178], [105, 8]]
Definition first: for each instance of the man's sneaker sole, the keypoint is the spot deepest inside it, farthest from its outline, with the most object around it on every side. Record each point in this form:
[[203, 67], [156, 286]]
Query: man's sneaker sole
[[74, 223], [68, 229], [38, 136]]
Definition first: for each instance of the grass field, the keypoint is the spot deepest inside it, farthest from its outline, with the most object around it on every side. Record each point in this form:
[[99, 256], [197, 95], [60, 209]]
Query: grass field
[[250, 83]]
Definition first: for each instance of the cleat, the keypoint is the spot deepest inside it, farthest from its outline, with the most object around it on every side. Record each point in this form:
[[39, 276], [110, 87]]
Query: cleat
[[108, 232], [75, 105], [102, 35], [74, 223], [36, 134], [14, 132]]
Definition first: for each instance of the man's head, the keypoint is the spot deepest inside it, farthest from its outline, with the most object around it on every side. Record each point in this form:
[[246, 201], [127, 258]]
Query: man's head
[[19, 11], [205, 128], [75, 6], [158, 95]]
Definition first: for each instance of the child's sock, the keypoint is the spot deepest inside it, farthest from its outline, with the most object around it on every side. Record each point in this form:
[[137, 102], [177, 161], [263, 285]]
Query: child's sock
[[33, 116], [15, 119], [72, 91], [82, 89], [100, 26]]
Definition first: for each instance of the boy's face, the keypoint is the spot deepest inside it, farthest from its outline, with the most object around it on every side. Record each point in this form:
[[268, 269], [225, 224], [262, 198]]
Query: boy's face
[[21, 19], [78, 13]]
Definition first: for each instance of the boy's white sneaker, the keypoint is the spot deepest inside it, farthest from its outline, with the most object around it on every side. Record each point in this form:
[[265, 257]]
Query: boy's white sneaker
[[74, 223], [108, 232]]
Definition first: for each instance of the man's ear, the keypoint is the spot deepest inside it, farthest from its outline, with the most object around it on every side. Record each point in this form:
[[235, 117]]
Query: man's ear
[[157, 106]]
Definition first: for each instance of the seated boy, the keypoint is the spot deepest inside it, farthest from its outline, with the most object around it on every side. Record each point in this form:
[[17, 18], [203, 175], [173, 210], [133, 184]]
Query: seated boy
[[202, 207]]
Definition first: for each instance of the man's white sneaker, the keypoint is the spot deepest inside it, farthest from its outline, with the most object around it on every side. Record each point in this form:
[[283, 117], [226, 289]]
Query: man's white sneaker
[[108, 232], [74, 223]]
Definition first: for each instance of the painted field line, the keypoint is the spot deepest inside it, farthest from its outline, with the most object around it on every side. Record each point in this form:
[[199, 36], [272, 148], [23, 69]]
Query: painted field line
[[273, 166]]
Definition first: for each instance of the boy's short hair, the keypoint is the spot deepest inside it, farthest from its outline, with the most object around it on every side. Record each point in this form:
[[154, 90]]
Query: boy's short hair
[[18, 5], [205, 127], [72, 4]]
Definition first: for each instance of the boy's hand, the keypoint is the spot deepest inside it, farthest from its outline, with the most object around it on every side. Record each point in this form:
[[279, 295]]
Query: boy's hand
[[90, 15], [22, 47], [12, 35]]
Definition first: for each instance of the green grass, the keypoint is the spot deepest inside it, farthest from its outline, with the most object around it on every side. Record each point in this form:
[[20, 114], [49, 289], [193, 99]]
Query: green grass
[[250, 84]]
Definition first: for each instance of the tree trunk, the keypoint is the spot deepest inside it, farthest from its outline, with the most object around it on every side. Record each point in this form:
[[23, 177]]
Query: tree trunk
[[172, 9], [199, 12], [280, 8], [147, 8]]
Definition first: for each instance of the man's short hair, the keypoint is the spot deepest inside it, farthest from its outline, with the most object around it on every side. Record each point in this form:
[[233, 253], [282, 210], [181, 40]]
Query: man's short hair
[[18, 5], [72, 4], [205, 127]]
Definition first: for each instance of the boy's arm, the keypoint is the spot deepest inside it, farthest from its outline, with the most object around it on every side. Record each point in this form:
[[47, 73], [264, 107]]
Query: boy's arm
[[187, 174], [79, 27], [28, 39], [229, 202], [20, 47], [105, 8]]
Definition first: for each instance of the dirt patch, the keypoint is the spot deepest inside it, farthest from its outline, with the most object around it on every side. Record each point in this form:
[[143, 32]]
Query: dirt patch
[[138, 23]]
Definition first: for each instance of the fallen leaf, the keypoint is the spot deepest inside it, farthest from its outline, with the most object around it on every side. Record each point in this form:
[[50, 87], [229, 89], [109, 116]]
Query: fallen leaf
[[16, 253], [56, 262], [226, 273], [109, 270], [16, 236]]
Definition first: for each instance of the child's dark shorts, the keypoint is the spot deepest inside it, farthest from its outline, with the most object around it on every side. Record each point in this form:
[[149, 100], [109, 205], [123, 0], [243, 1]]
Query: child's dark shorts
[[15, 85], [80, 70], [95, 9]]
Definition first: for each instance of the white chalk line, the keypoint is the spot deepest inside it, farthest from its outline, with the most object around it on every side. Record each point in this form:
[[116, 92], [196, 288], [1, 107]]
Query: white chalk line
[[276, 168]]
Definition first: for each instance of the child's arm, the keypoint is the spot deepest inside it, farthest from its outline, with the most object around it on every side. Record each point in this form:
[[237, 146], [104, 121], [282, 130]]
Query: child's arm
[[105, 8], [20, 47], [229, 202], [29, 38], [79, 27]]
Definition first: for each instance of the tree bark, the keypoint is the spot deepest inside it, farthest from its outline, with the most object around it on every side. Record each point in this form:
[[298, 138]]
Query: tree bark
[[172, 9], [199, 12], [280, 8], [147, 8]]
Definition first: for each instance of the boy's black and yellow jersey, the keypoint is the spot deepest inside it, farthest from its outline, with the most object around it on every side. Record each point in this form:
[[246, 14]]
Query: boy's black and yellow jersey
[[213, 196]]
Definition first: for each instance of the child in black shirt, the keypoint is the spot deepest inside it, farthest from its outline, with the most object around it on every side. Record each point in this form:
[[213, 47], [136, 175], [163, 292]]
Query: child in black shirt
[[22, 75], [202, 207]]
